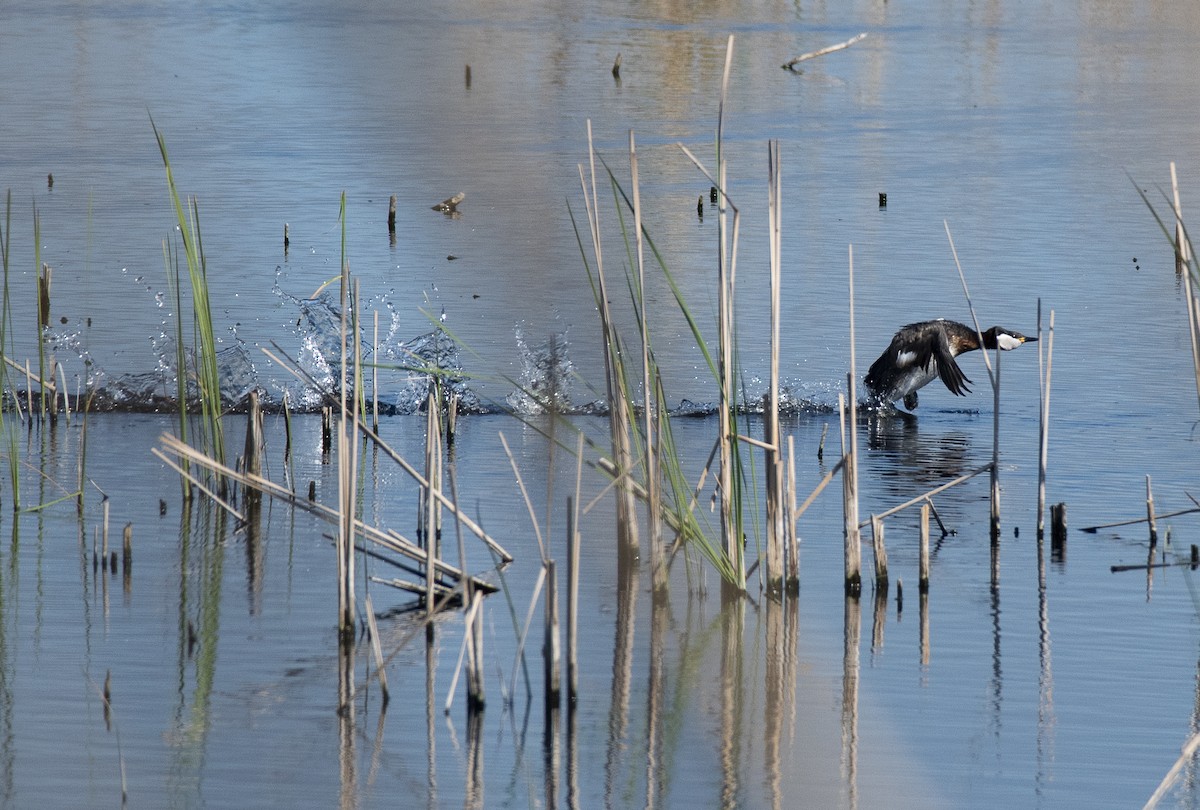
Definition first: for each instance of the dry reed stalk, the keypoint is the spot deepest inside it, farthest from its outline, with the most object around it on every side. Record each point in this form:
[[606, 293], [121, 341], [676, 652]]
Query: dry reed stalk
[[389, 539], [1188, 752], [551, 652], [852, 538], [537, 531], [731, 534], [881, 566], [29, 391], [1183, 257], [793, 545], [476, 699], [376, 649], [375, 355], [252, 452], [66, 396], [347, 467], [572, 599], [1150, 515], [1044, 417], [923, 581], [1183, 253], [537, 591], [627, 525], [777, 534], [853, 580], [994, 378], [995, 476], [127, 547], [654, 516], [433, 435], [573, 540]]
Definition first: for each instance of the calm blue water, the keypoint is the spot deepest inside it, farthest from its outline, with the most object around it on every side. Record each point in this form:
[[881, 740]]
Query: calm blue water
[[1016, 124]]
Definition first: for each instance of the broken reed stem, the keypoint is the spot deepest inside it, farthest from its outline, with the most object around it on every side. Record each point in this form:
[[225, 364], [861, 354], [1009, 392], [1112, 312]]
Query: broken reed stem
[[1044, 418], [923, 581], [537, 590], [881, 566], [127, 548], [1150, 515], [925, 496], [376, 649], [252, 452], [793, 558]]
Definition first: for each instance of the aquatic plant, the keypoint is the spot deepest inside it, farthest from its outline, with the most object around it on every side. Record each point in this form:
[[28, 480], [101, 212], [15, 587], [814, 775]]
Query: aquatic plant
[[208, 379]]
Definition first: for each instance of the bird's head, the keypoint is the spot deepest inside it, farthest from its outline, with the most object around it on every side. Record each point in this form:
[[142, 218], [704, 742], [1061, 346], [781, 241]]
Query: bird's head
[[1005, 339]]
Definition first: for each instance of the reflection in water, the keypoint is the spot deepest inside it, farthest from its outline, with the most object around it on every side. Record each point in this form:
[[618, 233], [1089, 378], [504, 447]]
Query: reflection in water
[[1045, 715], [474, 771], [431, 784], [926, 460], [997, 683], [208, 525], [852, 631], [622, 678], [8, 625], [732, 629], [655, 694], [779, 707], [347, 733], [878, 619]]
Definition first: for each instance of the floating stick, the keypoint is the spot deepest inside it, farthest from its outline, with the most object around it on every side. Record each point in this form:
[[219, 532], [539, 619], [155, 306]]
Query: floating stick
[[790, 65]]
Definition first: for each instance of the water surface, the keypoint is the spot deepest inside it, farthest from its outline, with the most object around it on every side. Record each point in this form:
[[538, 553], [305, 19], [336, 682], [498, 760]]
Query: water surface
[[1048, 682]]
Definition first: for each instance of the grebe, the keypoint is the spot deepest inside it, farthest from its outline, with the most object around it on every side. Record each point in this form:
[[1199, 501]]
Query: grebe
[[921, 352]]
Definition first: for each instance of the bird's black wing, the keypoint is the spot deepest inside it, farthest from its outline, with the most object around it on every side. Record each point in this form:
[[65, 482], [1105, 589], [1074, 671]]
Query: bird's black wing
[[947, 367]]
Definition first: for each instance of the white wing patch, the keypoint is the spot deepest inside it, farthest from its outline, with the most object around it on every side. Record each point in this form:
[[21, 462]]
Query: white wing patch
[[905, 359]]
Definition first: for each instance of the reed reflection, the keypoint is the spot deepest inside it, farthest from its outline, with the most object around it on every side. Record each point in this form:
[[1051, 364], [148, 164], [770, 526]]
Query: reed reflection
[[852, 632], [779, 707]]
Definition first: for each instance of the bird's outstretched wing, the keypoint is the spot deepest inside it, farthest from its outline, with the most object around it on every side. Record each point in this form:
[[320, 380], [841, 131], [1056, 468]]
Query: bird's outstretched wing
[[938, 347]]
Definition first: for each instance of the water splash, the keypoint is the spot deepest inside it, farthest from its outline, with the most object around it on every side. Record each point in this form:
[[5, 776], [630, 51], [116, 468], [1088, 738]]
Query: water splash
[[546, 375]]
